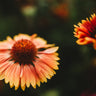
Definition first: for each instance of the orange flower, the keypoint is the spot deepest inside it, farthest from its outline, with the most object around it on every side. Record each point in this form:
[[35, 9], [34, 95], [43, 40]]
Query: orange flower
[[61, 10], [86, 31], [27, 60]]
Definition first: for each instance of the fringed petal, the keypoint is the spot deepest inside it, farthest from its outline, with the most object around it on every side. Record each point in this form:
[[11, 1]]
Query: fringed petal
[[40, 73], [35, 76], [46, 70], [30, 78], [52, 63]]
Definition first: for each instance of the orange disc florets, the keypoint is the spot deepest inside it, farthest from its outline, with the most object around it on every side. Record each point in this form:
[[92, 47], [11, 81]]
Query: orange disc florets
[[23, 51]]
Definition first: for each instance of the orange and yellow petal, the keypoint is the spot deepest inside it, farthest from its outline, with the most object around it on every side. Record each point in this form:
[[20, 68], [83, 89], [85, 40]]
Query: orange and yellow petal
[[84, 41], [21, 36], [47, 60], [93, 19], [7, 73], [30, 78], [40, 73], [12, 75], [4, 66], [16, 77], [49, 50], [47, 71], [80, 34], [35, 75], [39, 42], [27, 75], [33, 36], [10, 40], [22, 76]]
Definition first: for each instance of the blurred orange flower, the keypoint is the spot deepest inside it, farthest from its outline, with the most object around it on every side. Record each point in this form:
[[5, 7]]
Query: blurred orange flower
[[86, 31], [61, 10], [27, 60]]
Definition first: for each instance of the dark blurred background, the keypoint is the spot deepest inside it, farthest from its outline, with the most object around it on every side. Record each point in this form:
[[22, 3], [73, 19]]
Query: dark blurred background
[[53, 20]]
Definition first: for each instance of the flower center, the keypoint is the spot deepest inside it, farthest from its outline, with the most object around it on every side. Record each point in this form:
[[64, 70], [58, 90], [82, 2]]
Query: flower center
[[24, 51]]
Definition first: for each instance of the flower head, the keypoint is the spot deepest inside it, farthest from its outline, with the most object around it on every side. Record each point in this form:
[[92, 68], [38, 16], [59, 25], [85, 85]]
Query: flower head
[[27, 60], [86, 31]]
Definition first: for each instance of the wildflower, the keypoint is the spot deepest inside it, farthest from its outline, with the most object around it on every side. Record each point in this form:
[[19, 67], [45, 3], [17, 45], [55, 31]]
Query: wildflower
[[27, 60], [86, 31]]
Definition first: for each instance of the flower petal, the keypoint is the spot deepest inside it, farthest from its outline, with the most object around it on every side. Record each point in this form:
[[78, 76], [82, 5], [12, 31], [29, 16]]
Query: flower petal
[[4, 57], [10, 40], [30, 78], [39, 42], [17, 76], [11, 78], [53, 56], [5, 45], [27, 75], [4, 66], [81, 28], [44, 72], [23, 78], [80, 34], [33, 36], [35, 75], [2, 76], [40, 73], [21, 36], [84, 41], [47, 71], [88, 25], [52, 63], [49, 50], [8, 72], [4, 51]]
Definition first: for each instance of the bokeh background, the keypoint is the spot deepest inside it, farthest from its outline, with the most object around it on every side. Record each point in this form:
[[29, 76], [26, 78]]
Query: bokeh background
[[53, 20]]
